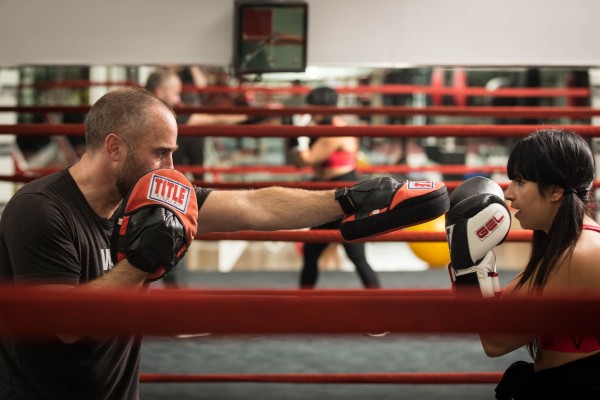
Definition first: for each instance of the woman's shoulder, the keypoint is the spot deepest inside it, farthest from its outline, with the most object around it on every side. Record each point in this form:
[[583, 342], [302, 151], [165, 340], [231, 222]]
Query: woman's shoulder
[[588, 244], [584, 268]]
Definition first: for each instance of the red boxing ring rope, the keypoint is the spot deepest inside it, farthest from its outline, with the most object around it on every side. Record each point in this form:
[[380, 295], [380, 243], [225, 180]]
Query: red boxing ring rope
[[323, 185], [397, 169], [28, 176], [334, 236], [473, 111], [33, 312], [309, 293], [259, 131], [379, 378], [290, 169], [360, 89], [407, 89], [414, 131]]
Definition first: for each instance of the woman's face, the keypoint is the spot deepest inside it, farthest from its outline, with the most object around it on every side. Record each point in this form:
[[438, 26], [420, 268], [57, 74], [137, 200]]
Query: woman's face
[[534, 211]]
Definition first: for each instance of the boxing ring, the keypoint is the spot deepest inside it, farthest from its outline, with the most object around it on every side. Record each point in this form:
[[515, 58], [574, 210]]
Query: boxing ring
[[201, 317]]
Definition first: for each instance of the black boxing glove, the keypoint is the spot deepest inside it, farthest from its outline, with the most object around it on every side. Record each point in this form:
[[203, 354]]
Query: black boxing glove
[[152, 240], [380, 205]]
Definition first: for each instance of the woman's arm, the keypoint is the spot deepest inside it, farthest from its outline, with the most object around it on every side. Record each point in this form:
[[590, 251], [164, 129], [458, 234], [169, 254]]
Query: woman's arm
[[499, 345], [576, 275]]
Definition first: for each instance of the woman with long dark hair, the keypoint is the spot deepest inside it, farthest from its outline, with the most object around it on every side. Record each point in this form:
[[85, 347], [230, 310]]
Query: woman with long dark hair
[[551, 174]]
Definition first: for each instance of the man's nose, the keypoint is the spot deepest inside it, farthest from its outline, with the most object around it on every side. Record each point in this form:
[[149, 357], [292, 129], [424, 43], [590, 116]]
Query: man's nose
[[167, 162]]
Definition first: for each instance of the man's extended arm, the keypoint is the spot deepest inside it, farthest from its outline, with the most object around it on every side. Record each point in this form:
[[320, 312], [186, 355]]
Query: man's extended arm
[[270, 208], [369, 208]]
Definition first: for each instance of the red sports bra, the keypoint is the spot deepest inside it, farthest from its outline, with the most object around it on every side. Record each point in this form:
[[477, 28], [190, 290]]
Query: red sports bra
[[340, 158], [591, 227], [572, 344]]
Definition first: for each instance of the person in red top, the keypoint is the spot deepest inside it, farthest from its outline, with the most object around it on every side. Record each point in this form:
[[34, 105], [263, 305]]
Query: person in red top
[[333, 159], [551, 174]]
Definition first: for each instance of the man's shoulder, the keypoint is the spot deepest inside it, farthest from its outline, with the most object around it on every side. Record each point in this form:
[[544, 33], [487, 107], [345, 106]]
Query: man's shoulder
[[46, 189], [48, 182]]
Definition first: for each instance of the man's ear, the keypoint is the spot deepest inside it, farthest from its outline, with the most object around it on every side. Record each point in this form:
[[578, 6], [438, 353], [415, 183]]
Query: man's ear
[[115, 147]]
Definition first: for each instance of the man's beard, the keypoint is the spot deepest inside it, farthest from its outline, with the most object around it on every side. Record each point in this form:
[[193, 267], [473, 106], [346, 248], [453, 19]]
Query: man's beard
[[131, 172]]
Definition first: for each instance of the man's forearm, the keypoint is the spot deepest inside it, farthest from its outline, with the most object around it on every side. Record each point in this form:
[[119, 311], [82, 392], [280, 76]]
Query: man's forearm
[[123, 275], [120, 276], [267, 209], [295, 209]]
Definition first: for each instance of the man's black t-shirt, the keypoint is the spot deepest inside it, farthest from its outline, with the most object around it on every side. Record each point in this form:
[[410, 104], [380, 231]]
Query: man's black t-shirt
[[50, 234]]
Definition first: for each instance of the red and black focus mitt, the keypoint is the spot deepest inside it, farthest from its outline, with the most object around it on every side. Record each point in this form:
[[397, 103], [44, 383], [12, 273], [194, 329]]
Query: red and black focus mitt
[[380, 205], [156, 222]]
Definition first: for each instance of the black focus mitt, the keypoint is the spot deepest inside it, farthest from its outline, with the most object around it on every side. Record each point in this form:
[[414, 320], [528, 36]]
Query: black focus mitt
[[156, 222]]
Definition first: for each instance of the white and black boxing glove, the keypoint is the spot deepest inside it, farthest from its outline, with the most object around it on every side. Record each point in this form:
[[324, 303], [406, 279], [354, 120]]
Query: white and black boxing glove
[[478, 221]]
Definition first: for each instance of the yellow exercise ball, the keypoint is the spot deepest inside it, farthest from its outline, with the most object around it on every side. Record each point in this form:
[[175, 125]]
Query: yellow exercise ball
[[362, 160], [436, 254]]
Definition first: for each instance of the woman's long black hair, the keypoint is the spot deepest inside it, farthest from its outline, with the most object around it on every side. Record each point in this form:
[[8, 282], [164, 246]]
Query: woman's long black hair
[[562, 158]]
